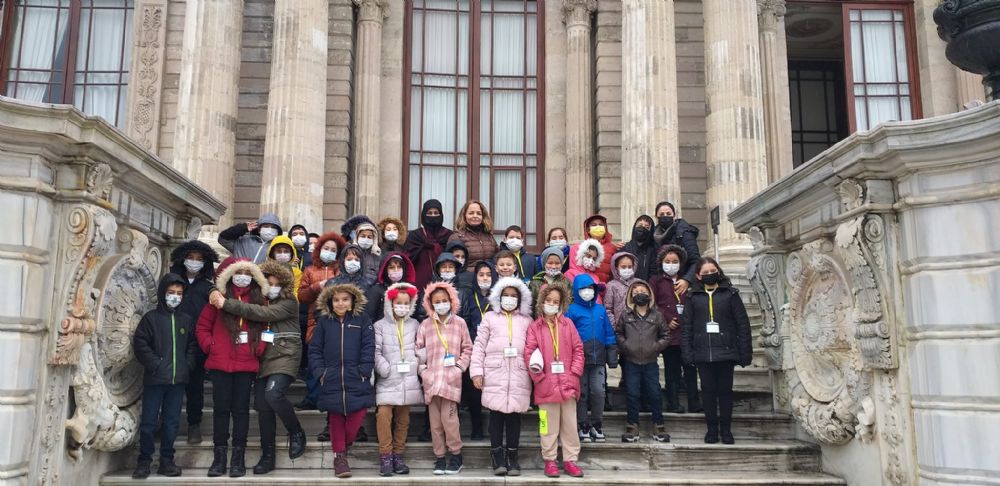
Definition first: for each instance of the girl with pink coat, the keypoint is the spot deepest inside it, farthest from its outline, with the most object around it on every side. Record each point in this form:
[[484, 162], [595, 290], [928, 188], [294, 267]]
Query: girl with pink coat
[[554, 354], [500, 372]]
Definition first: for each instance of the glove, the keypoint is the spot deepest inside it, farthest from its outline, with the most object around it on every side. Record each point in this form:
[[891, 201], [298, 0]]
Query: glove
[[612, 357]]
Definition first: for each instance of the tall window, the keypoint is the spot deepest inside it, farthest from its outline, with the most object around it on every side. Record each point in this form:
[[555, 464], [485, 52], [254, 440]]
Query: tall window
[[68, 51], [474, 128]]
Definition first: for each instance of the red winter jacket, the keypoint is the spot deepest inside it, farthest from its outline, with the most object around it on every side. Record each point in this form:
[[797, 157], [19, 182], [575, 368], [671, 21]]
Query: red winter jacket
[[223, 353], [549, 387]]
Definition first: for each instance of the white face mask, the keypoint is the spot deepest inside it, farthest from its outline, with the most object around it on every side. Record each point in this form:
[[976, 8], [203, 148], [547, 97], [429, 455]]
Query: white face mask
[[587, 294], [557, 243], [401, 310], [395, 276], [461, 261], [550, 309], [273, 292], [514, 244], [268, 234], [172, 300], [449, 276], [442, 308], [366, 243], [328, 256], [626, 273], [242, 281], [508, 303], [312, 247], [194, 266], [671, 268], [391, 235], [299, 240], [589, 263], [283, 257], [352, 266], [553, 272], [484, 285]]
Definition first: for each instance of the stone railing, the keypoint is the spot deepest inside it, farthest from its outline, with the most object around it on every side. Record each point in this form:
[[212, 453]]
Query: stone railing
[[88, 221], [877, 267]]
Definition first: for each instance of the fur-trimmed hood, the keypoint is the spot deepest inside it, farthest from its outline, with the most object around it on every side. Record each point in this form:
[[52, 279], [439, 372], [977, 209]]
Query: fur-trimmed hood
[[581, 252], [325, 237], [393, 290], [377, 244], [222, 282], [564, 300], [284, 275], [349, 229], [522, 290], [399, 224], [324, 302], [456, 305], [179, 254], [636, 283]]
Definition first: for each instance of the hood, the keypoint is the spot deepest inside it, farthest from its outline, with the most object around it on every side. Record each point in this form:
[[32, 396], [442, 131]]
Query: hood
[[582, 281], [324, 302], [268, 218], [399, 224], [342, 257], [391, 293], [177, 258], [278, 240], [222, 282], [409, 272], [350, 226], [284, 275], [564, 298], [581, 251], [493, 273], [447, 257], [614, 263], [456, 244], [679, 250], [161, 290], [640, 282], [522, 290], [551, 250], [652, 227], [604, 221], [376, 246], [452, 296], [301, 227], [325, 237]]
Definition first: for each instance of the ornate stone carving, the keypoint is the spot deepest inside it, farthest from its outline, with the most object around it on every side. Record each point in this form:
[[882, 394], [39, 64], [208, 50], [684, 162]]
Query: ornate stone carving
[[892, 429], [577, 12], [193, 228], [770, 12], [149, 61], [99, 181], [764, 272], [372, 10]]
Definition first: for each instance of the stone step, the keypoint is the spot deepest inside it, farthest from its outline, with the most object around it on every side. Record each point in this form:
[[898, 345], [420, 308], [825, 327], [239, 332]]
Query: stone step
[[680, 455], [686, 425], [485, 477]]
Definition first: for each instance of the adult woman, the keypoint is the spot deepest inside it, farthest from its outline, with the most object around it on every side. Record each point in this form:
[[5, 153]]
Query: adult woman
[[425, 244], [671, 230], [474, 228]]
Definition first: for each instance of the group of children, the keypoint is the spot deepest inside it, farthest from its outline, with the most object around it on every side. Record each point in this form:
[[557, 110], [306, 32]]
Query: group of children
[[443, 319]]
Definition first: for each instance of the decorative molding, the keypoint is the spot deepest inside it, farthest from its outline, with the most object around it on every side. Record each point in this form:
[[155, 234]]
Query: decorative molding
[[764, 272], [372, 10], [147, 82], [770, 13], [892, 430], [578, 12], [100, 178]]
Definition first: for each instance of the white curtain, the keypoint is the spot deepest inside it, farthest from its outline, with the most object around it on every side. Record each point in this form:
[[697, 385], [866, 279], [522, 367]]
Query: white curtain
[[104, 51], [879, 62], [37, 36]]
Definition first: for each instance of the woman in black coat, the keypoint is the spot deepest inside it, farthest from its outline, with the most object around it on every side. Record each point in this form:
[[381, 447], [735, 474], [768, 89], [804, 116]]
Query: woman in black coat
[[671, 230], [715, 337]]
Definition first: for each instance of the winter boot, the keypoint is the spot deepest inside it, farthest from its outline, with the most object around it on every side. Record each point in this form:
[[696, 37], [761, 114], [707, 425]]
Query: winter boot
[[168, 468], [712, 436], [726, 433], [194, 434], [218, 467], [660, 433], [142, 470], [267, 460], [499, 461], [631, 433], [513, 468], [237, 463], [296, 444], [385, 465]]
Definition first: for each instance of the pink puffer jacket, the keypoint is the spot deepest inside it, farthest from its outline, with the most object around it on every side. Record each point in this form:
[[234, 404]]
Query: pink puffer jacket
[[506, 384], [549, 387]]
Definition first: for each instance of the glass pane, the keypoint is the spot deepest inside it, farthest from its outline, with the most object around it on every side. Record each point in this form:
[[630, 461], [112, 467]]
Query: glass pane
[[485, 109], [415, 115], [880, 57], [508, 122], [462, 129], [907, 114], [484, 188], [486, 41], [507, 210], [860, 114], [439, 120], [901, 59], [439, 183], [417, 41], [532, 45], [461, 187], [508, 45], [882, 110], [442, 32], [857, 48], [876, 15], [508, 161], [463, 43]]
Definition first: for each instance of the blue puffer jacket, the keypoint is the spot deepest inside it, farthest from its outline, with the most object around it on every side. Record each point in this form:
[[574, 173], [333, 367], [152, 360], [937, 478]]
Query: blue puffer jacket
[[342, 354], [591, 320]]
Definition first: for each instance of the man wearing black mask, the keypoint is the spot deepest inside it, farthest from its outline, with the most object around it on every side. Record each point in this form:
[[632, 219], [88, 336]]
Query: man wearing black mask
[[671, 230], [643, 247], [425, 244]]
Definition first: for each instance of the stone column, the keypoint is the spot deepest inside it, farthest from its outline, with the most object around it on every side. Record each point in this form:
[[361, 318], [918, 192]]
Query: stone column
[[208, 97], [294, 147], [651, 170], [367, 99], [774, 75], [579, 103], [970, 89], [735, 153]]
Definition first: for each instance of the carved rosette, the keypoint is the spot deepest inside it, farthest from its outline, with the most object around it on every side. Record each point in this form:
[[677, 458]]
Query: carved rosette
[[764, 272]]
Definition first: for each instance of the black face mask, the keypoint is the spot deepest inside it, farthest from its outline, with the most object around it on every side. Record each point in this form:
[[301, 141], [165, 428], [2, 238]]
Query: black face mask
[[666, 221], [433, 222], [641, 300], [711, 279], [640, 234]]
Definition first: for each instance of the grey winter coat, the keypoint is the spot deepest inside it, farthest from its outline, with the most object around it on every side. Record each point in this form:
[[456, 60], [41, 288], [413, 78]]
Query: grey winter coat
[[391, 386], [249, 245]]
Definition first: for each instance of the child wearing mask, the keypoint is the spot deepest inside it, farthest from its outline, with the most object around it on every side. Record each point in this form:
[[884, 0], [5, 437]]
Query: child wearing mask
[[587, 259], [300, 238], [591, 321], [393, 234], [514, 242], [475, 305], [396, 268], [498, 370], [397, 386], [352, 269], [557, 238], [551, 274], [622, 276], [596, 228], [555, 358], [283, 251], [671, 303], [642, 335], [371, 256], [444, 350], [165, 347], [342, 355], [250, 240], [466, 279], [325, 267]]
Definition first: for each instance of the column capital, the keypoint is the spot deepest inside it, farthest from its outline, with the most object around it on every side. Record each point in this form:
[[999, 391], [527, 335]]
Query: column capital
[[372, 10], [770, 13], [578, 12]]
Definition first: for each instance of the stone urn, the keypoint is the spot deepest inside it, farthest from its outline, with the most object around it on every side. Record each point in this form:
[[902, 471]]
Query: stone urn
[[972, 30]]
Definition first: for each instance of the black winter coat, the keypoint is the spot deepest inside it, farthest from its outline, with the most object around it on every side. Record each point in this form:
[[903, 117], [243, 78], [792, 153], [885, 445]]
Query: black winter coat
[[195, 293], [164, 341], [732, 343], [684, 235], [342, 355]]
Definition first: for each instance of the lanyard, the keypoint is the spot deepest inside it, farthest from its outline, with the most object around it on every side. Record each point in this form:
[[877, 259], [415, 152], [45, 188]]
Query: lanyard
[[711, 306], [517, 256], [510, 329], [400, 326], [444, 342], [482, 312], [554, 333]]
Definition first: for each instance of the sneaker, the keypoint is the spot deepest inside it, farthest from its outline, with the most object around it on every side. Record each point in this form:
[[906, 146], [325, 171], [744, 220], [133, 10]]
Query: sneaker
[[660, 433], [551, 469], [385, 465], [168, 468], [399, 464], [340, 466], [454, 464], [572, 469], [597, 434], [440, 464], [141, 470], [631, 433], [584, 433]]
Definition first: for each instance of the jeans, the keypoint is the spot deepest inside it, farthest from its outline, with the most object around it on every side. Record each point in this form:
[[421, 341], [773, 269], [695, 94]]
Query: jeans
[[196, 390], [643, 380], [592, 393], [160, 402], [270, 402], [505, 422], [312, 388], [717, 392], [231, 398]]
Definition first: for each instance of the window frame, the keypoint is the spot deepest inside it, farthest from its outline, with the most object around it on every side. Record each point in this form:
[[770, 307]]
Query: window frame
[[473, 109]]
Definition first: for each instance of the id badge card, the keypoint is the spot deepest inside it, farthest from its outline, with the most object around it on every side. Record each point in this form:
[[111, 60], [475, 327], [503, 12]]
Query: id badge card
[[680, 309], [558, 368], [244, 337], [509, 352], [712, 327], [449, 360], [267, 336], [403, 368]]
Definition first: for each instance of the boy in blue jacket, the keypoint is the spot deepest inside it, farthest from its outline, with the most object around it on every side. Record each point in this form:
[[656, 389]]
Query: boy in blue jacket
[[591, 320]]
